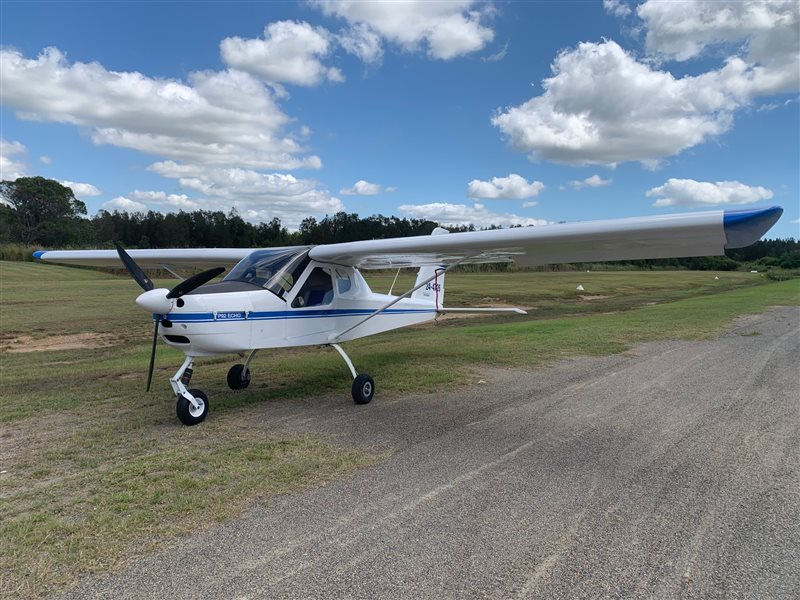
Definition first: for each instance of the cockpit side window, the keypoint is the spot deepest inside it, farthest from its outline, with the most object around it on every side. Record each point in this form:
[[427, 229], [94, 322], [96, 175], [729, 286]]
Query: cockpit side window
[[343, 282], [316, 291]]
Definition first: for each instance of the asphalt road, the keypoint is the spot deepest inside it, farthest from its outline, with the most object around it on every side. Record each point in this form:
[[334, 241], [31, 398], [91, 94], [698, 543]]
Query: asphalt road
[[672, 471]]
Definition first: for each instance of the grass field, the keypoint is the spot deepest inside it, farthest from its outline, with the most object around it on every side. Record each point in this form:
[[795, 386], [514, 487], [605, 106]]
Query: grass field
[[94, 471]]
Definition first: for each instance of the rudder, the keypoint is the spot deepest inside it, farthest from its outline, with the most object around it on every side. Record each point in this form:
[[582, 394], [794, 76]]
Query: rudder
[[433, 291]]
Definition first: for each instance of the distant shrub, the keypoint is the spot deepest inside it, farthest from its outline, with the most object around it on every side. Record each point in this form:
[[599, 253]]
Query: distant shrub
[[18, 252], [776, 274]]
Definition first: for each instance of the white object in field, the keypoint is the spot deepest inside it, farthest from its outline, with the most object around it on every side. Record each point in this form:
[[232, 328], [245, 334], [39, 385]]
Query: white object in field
[[579, 288], [715, 277], [754, 271]]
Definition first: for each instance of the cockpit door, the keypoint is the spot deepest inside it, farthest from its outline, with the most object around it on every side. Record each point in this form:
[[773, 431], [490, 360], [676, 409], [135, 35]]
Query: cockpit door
[[311, 307]]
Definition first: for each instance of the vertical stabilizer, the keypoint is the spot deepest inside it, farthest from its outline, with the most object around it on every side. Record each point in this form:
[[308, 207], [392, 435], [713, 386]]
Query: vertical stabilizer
[[433, 291]]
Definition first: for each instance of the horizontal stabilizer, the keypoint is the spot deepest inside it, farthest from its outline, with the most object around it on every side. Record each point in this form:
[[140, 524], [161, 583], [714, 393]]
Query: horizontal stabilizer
[[517, 311]]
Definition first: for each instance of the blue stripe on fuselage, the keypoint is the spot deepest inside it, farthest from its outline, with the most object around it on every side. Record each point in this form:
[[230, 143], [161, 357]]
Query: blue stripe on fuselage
[[208, 317]]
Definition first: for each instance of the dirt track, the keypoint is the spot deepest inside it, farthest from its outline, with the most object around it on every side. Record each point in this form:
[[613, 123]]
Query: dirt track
[[669, 472]]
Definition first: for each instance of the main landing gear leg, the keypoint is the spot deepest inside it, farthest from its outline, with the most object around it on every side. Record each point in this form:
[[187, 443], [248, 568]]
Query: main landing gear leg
[[239, 375], [363, 386], [192, 405]]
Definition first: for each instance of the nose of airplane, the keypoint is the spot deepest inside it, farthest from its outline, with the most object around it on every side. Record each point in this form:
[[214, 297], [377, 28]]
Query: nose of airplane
[[155, 301]]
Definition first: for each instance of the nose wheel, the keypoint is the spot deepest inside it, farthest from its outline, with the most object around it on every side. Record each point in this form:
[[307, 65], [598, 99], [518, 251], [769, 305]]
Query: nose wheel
[[192, 407]]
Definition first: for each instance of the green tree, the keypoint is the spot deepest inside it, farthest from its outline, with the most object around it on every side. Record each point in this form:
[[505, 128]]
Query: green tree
[[40, 208]]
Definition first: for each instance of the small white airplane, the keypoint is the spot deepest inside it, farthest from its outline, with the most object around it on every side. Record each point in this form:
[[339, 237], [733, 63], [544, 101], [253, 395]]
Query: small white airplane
[[308, 296]]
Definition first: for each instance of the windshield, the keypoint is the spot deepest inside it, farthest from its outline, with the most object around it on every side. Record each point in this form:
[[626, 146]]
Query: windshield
[[275, 270]]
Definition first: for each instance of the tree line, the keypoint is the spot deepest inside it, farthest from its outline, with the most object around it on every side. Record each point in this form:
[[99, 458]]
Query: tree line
[[42, 212]]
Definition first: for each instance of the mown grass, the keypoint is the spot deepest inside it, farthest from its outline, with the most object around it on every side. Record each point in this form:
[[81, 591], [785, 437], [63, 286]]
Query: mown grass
[[96, 471], [90, 506]]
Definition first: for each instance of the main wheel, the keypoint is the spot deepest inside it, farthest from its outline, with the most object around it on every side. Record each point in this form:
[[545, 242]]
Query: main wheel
[[187, 413], [237, 380], [363, 389]]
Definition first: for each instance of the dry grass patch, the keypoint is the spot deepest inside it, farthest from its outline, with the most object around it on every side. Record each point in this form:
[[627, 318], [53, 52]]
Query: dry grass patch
[[74, 341]]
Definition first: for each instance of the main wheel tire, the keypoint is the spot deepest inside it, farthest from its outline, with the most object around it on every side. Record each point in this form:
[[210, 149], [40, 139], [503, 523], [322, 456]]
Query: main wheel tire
[[235, 379], [363, 389], [187, 413]]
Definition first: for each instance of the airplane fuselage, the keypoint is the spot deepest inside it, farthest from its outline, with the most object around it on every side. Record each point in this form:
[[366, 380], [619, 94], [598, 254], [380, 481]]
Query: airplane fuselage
[[201, 324]]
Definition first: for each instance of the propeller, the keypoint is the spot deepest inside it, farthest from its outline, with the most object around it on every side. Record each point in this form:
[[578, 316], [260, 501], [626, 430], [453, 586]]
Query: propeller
[[153, 354], [195, 281], [135, 270], [155, 300]]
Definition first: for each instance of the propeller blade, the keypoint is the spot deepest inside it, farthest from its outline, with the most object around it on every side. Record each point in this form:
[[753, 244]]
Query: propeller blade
[[153, 354], [135, 270], [195, 281]]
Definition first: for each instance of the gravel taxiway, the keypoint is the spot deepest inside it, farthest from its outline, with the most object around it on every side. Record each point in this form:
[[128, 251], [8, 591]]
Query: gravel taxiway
[[670, 471]]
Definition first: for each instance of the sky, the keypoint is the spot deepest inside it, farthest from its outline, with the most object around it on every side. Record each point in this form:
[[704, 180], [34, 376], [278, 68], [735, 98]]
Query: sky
[[496, 113]]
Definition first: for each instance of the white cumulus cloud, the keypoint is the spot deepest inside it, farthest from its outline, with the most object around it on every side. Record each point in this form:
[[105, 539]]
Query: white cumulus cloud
[[593, 181], [11, 167], [289, 52], [445, 29], [617, 8], [362, 42], [512, 187], [766, 31], [82, 190], [445, 213], [365, 188], [256, 196], [167, 201], [123, 204], [45, 160], [604, 106], [688, 192], [218, 118]]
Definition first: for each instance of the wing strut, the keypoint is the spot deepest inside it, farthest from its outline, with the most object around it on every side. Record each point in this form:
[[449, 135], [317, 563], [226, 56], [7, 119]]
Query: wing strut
[[396, 275], [170, 269], [335, 336]]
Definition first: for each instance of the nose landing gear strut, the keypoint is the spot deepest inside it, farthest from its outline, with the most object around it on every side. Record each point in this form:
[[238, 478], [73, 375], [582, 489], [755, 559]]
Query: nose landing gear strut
[[192, 405]]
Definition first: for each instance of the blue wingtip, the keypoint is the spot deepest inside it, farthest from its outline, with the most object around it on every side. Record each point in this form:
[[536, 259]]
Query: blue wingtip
[[745, 227], [38, 254]]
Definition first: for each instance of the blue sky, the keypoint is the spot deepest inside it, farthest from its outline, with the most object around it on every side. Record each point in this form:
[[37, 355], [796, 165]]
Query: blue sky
[[489, 113]]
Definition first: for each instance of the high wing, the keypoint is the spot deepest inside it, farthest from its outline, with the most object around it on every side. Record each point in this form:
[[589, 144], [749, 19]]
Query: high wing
[[668, 236], [182, 257]]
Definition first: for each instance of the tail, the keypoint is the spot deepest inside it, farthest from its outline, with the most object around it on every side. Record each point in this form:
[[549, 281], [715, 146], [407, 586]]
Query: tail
[[433, 291]]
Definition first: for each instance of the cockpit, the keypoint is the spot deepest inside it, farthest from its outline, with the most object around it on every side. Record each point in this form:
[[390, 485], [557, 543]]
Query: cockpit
[[276, 270]]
